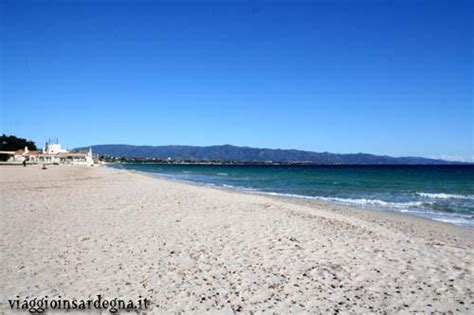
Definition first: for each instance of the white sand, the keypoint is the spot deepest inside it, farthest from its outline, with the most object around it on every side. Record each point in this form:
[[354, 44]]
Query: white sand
[[78, 232]]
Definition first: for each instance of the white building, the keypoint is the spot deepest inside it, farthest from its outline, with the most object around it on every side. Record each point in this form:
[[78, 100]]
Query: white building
[[53, 148], [52, 153]]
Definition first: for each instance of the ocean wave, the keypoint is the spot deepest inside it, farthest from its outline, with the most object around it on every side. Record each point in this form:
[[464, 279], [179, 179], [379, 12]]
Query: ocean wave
[[444, 196], [222, 174], [373, 202], [376, 202], [361, 201], [241, 188]]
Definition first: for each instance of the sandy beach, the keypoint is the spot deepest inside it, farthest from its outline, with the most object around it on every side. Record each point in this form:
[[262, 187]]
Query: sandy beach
[[81, 231]]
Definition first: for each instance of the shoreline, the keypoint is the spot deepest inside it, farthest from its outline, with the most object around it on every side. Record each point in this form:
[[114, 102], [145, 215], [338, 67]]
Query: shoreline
[[384, 218], [75, 232], [380, 213]]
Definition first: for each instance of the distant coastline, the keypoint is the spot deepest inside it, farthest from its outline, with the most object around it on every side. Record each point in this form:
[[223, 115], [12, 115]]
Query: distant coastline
[[234, 155], [120, 160]]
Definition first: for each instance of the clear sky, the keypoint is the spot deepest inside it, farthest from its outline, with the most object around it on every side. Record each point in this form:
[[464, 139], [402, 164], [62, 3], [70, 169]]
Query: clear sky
[[382, 77]]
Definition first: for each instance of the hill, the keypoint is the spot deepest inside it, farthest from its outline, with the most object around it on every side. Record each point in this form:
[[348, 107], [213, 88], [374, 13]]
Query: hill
[[246, 154]]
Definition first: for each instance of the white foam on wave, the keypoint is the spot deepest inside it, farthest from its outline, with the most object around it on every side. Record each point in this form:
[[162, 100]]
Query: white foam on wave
[[240, 188], [444, 196], [412, 208], [361, 201], [376, 202]]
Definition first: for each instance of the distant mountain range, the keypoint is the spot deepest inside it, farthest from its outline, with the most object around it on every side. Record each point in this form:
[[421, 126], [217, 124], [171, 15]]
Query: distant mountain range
[[229, 153]]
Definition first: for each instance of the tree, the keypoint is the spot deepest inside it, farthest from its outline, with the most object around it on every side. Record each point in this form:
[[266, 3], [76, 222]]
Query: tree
[[12, 143]]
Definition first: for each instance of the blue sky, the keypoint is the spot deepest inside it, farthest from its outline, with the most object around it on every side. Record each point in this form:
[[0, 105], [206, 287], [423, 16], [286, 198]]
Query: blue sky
[[383, 77]]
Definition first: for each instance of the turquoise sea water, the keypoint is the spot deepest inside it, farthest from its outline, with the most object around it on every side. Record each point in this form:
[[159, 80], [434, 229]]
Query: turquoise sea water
[[443, 193]]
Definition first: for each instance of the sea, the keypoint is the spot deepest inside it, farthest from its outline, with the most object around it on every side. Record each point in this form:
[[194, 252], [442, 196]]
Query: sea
[[441, 193]]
